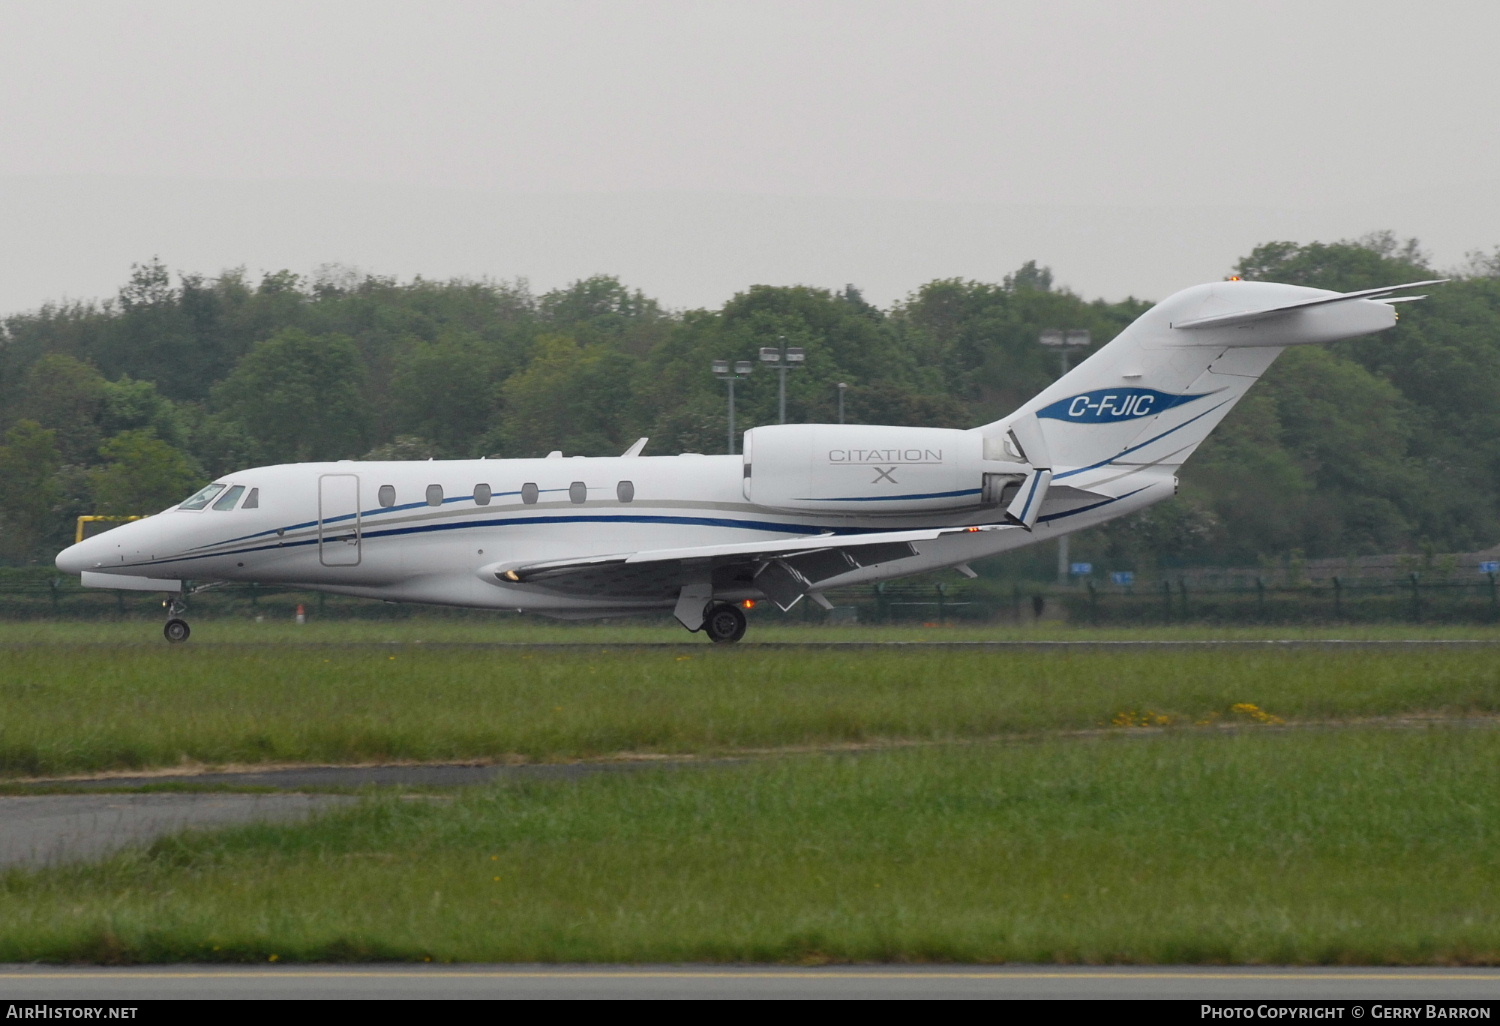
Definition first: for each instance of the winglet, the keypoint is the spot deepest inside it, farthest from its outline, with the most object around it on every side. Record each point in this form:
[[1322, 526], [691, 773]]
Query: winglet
[[635, 450]]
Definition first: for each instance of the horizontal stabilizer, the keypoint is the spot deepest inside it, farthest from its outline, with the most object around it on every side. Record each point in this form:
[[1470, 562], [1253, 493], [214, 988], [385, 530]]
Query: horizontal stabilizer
[[1229, 320]]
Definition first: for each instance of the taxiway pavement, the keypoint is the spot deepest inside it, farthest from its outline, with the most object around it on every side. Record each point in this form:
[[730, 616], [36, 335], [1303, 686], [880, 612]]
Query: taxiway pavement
[[47, 829]]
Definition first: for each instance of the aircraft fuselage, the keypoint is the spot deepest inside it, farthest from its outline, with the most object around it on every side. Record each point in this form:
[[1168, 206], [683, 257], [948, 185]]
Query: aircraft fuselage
[[325, 526]]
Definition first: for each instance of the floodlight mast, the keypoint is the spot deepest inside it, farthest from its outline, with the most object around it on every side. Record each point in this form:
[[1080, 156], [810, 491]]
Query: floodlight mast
[[781, 359], [1062, 341], [740, 372]]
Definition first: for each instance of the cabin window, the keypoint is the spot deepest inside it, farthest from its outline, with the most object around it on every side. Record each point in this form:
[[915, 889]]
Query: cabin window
[[529, 493], [578, 493], [482, 495], [202, 497], [252, 501], [230, 498], [434, 495], [386, 495], [625, 490]]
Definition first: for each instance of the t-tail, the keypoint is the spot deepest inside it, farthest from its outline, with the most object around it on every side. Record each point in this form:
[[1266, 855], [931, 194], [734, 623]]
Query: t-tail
[[1122, 422]]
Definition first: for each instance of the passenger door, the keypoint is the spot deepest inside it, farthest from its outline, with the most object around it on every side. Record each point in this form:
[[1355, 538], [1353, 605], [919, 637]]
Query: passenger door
[[338, 520]]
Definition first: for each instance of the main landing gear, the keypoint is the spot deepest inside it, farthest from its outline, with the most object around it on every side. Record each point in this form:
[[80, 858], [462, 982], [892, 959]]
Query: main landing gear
[[176, 630], [723, 623]]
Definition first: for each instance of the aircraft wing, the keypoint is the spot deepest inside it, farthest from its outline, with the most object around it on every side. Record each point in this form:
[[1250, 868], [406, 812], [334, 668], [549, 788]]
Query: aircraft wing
[[1229, 320], [784, 569]]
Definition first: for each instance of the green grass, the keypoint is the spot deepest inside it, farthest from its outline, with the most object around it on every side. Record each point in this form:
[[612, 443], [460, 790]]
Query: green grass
[[1362, 845], [70, 709], [763, 628]]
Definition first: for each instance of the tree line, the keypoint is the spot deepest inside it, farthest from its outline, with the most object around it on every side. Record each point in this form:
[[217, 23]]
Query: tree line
[[1384, 444]]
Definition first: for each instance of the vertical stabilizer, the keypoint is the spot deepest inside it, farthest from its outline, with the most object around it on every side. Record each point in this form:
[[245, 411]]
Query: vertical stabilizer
[[1151, 396]]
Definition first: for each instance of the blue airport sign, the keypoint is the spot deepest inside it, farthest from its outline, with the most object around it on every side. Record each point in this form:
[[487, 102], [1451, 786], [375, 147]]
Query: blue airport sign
[[1124, 578], [1491, 567], [1081, 569]]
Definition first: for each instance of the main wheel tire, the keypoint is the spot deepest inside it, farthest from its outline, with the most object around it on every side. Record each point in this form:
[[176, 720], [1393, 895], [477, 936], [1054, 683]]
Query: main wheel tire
[[176, 631], [724, 624]]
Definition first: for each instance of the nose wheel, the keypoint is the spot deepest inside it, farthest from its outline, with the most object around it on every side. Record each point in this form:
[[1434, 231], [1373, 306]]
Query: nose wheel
[[176, 630], [724, 624]]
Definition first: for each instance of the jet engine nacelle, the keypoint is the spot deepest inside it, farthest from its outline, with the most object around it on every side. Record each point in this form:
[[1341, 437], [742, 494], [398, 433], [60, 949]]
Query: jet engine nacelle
[[860, 469]]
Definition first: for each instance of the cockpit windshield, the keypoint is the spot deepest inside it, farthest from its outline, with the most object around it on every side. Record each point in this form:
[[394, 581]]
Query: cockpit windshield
[[203, 497], [230, 497]]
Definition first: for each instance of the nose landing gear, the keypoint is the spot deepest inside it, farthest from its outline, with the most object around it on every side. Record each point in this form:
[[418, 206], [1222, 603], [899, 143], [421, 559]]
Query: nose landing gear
[[176, 630]]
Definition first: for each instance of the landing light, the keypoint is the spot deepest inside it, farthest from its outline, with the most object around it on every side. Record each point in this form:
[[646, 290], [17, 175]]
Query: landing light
[[748, 604]]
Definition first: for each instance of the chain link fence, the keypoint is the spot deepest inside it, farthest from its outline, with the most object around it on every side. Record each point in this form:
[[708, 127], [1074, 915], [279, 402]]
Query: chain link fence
[[42, 593]]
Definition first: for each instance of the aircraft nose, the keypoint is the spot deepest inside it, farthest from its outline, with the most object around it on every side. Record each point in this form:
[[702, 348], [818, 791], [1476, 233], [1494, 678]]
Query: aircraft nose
[[74, 559]]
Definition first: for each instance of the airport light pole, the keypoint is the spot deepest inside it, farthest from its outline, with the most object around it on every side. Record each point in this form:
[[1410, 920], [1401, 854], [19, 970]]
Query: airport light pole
[[842, 387], [1062, 341], [782, 359], [724, 373]]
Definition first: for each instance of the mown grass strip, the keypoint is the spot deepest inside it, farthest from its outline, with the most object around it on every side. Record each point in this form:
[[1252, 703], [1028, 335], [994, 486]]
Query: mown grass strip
[[69, 711], [1349, 847]]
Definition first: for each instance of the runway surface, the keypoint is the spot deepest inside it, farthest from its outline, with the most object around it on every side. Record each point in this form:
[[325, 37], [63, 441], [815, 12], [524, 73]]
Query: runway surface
[[1333, 643], [1101, 644], [47, 829], [384, 982], [689, 645]]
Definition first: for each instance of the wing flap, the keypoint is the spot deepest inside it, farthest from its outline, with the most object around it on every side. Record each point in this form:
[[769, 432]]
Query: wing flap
[[711, 554], [785, 579], [784, 569]]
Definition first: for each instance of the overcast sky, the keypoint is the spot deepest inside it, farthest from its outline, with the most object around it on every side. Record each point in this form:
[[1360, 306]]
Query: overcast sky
[[297, 133]]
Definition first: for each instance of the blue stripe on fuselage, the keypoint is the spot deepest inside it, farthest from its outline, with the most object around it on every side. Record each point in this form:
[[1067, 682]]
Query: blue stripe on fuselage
[[1135, 448], [751, 525], [364, 514]]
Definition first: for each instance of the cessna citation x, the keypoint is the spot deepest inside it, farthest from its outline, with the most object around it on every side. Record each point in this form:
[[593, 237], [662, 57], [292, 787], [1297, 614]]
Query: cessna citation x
[[806, 508]]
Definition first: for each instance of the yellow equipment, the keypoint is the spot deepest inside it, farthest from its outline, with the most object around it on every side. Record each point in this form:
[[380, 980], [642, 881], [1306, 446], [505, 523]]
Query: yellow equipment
[[90, 526]]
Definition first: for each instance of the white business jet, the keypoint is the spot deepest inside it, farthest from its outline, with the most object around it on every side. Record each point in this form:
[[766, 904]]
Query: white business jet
[[806, 508]]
